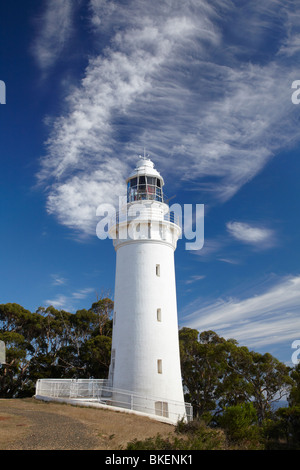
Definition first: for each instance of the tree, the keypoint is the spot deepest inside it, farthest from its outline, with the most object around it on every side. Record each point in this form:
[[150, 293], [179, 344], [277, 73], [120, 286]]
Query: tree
[[294, 396], [53, 343], [20, 330], [95, 355], [103, 310], [203, 361], [240, 422], [284, 429], [267, 379], [218, 373]]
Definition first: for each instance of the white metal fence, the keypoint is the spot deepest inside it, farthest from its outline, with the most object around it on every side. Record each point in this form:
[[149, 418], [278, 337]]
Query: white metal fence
[[98, 391]]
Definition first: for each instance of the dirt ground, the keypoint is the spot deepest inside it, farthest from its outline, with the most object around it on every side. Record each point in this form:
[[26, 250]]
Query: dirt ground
[[29, 424]]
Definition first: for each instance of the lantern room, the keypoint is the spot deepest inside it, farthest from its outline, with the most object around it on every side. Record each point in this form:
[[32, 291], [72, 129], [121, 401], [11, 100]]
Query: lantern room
[[145, 183]]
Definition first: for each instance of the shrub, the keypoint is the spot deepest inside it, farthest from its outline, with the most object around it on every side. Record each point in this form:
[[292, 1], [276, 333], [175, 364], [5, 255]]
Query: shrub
[[239, 424], [193, 436], [283, 432]]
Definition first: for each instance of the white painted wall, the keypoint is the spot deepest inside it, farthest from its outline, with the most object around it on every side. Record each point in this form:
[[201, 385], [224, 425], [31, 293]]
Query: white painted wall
[[139, 339]]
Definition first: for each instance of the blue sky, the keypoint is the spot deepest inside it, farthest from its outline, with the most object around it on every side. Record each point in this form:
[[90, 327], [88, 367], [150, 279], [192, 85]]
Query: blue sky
[[205, 87]]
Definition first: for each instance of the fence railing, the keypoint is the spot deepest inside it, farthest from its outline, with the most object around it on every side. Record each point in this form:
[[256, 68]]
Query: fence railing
[[141, 212], [99, 391]]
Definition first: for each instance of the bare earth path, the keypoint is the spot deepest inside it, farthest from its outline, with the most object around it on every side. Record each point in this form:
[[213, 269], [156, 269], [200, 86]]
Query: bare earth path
[[28, 424]]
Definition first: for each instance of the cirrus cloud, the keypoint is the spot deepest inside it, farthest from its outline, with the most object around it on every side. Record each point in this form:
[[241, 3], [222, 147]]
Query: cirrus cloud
[[211, 107], [261, 237], [271, 317], [54, 30]]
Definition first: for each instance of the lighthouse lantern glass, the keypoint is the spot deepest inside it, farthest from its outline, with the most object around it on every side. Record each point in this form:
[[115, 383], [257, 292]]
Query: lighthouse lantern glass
[[144, 188]]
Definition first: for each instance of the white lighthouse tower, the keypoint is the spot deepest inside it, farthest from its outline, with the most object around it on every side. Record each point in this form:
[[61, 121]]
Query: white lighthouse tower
[[145, 356]]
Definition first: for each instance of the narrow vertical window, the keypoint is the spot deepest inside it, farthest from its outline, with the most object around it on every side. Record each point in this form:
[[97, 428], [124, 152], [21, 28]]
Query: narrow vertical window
[[159, 366], [158, 270], [158, 313]]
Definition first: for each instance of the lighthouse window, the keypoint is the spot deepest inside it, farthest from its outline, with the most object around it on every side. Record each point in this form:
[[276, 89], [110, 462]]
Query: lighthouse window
[[161, 408], [159, 366], [158, 270], [158, 314], [142, 182], [133, 182], [151, 180], [132, 190]]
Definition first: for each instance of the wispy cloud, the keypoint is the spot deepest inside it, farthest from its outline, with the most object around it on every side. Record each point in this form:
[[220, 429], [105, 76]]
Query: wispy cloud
[[220, 248], [211, 247], [271, 317], [82, 294], [260, 237], [68, 301], [291, 43], [195, 278], [229, 260], [59, 302], [212, 107], [58, 280], [54, 29]]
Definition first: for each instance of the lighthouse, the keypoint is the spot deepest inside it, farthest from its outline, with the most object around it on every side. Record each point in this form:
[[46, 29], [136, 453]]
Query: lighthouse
[[145, 359]]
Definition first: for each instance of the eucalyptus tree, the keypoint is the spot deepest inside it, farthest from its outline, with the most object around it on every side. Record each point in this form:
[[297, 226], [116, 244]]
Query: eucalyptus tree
[[218, 373]]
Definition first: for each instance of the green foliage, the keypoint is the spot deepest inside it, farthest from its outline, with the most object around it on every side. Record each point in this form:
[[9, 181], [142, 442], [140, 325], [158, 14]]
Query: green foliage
[[217, 374], [283, 431], [95, 353], [240, 424], [203, 360], [196, 436], [294, 397], [103, 310], [53, 343]]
